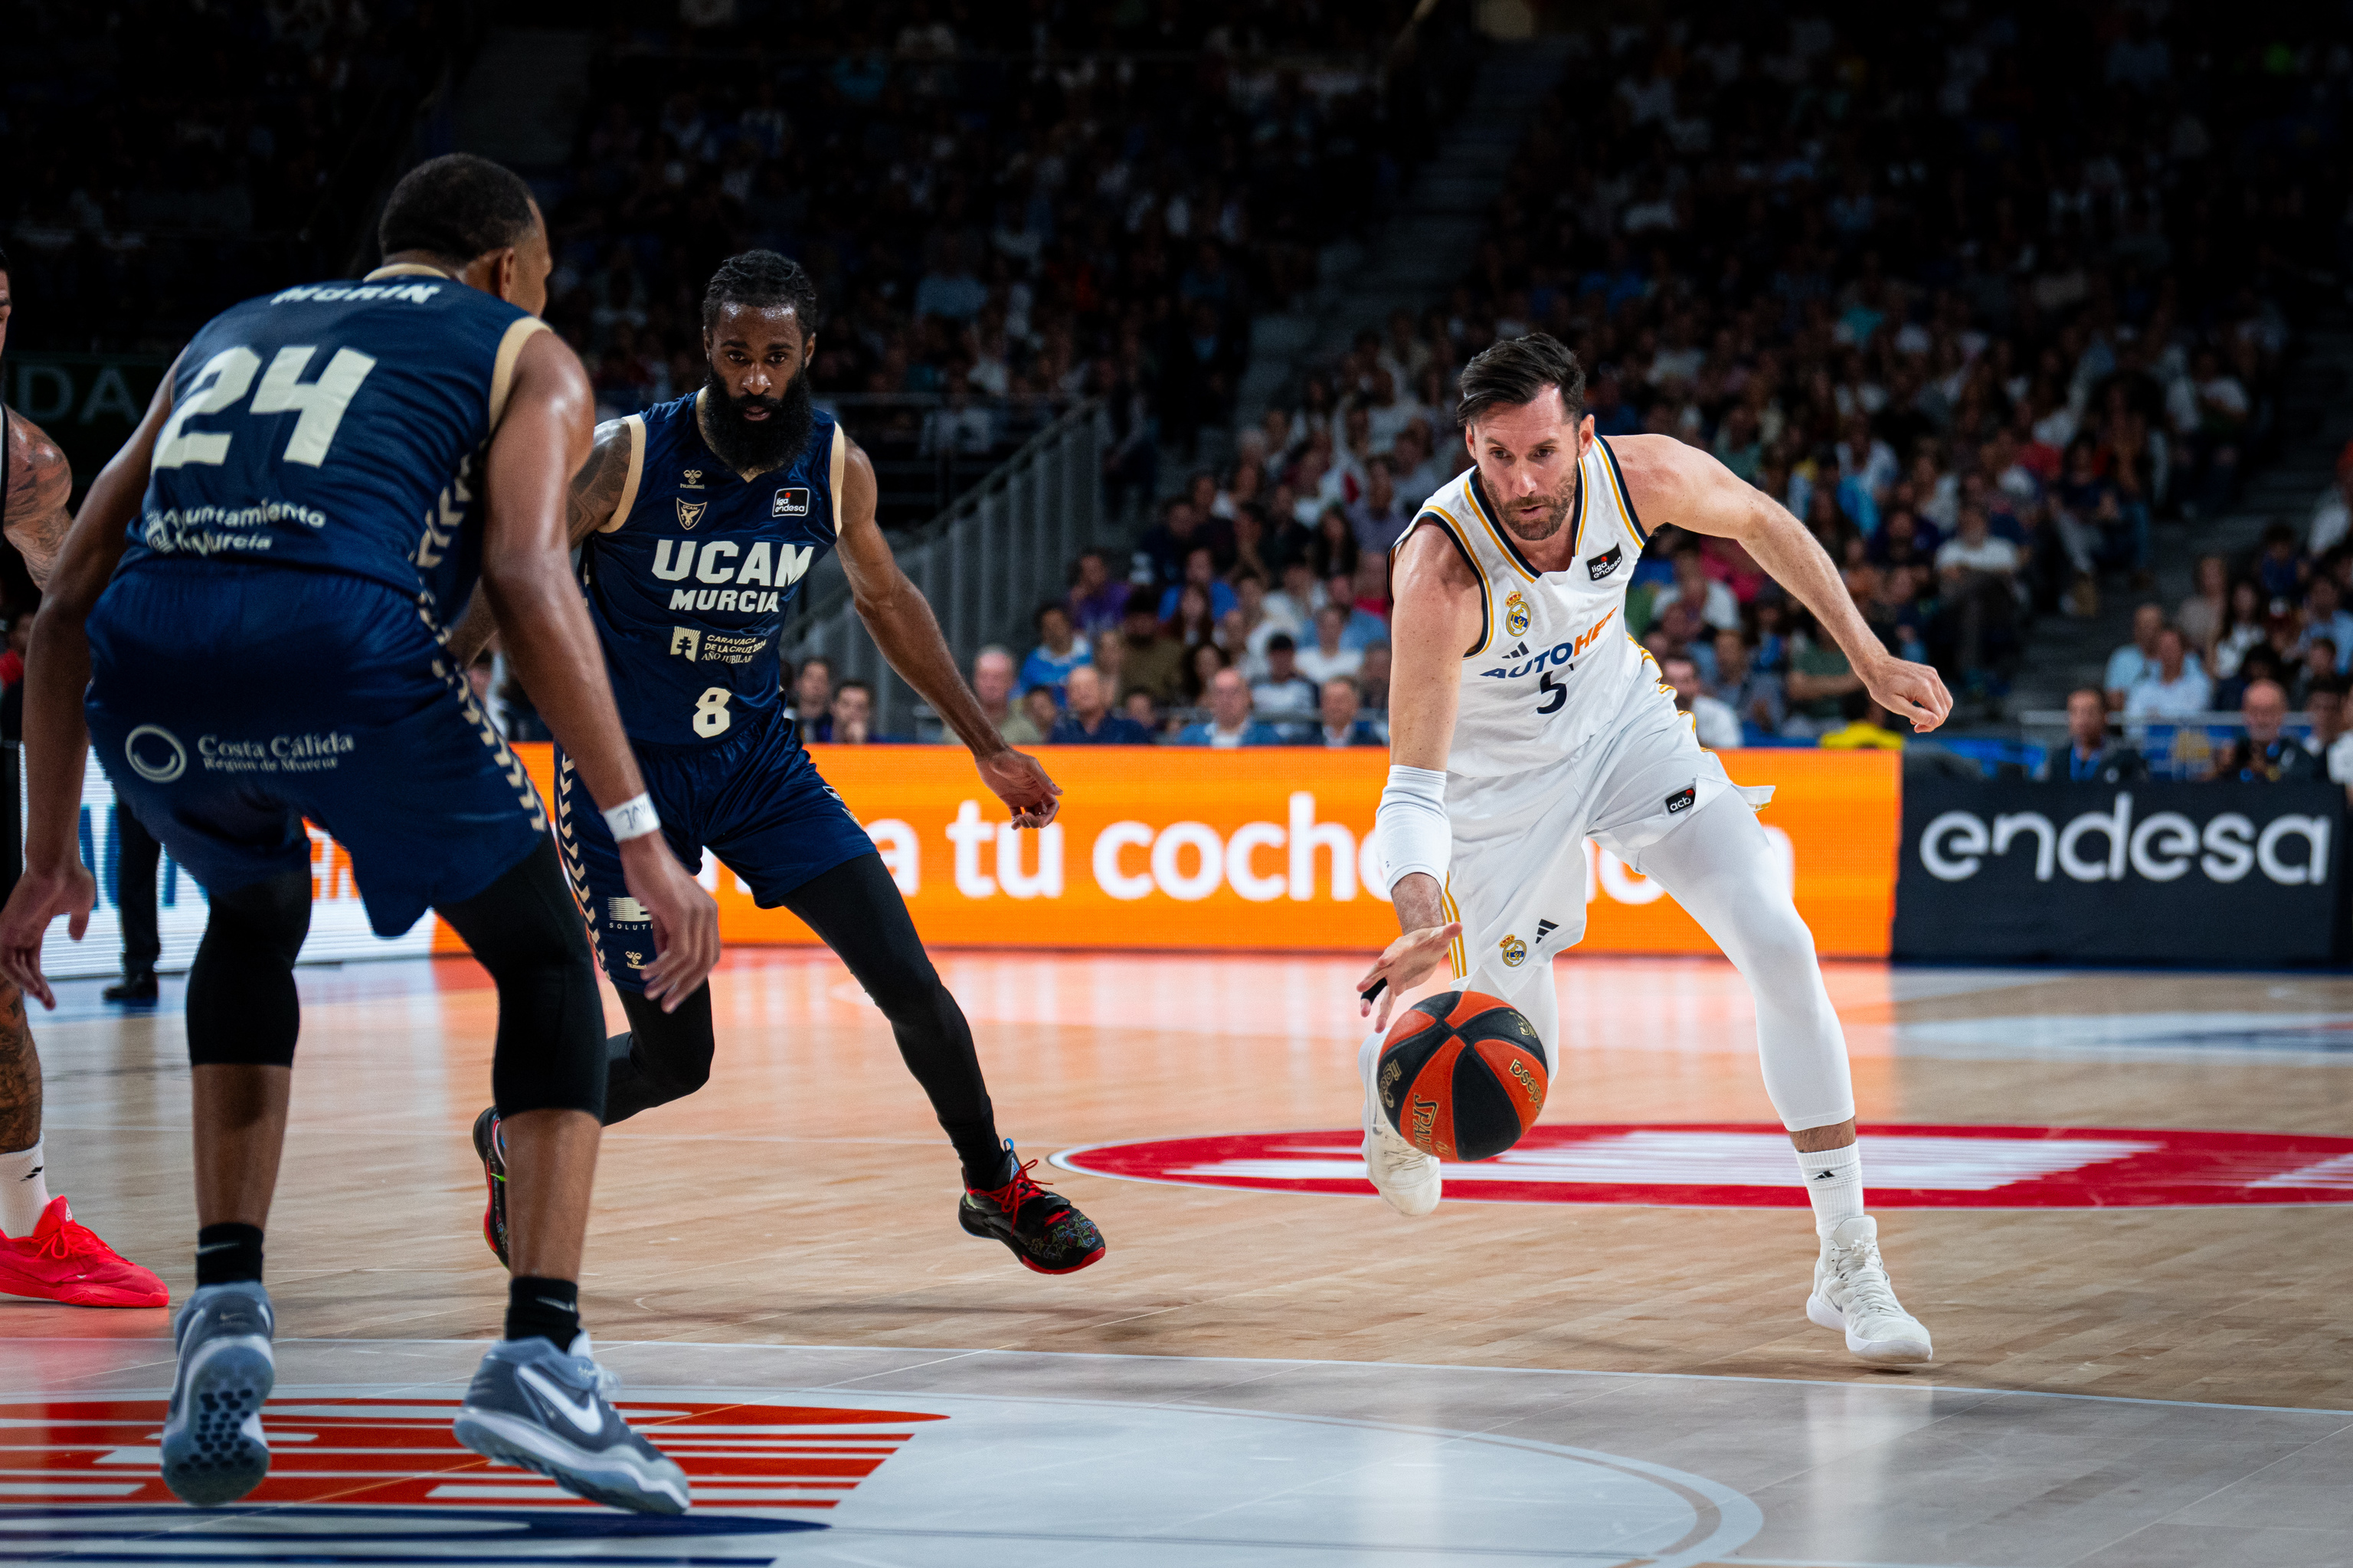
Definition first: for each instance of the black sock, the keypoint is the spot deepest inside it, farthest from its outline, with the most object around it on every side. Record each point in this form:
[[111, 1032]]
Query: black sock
[[227, 1255], [987, 1165], [547, 1308]]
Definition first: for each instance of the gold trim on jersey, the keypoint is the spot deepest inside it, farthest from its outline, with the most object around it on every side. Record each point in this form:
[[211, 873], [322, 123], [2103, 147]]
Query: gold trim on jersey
[[410, 269], [520, 331], [1495, 532], [1453, 911], [1625, 497], [633, 430], [1453, 532], [840, 459]]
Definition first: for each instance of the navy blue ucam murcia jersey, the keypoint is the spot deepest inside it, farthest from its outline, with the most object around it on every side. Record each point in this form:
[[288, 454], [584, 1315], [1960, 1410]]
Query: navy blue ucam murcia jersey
[[689, 583], [338, 426]]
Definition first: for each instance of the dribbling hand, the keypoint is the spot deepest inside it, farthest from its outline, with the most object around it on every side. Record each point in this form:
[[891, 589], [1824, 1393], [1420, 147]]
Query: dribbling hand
[[1018, 781], [1404, 964], [685, 919], [41, 896]]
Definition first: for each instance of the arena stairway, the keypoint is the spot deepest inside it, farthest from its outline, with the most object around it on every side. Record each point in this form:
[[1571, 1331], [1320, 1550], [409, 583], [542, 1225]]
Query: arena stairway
[[2316, 420], [1414, 258]]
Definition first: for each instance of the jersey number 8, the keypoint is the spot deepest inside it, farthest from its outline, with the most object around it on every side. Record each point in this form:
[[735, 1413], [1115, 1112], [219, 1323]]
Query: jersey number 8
[[711, 714], [225, 378]]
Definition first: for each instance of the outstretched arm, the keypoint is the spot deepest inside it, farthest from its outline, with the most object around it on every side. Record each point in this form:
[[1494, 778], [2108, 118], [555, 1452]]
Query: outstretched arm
[[1435, 619], [57, 673], [903, 626], [40, 481], [595, 497], [1669, 481]]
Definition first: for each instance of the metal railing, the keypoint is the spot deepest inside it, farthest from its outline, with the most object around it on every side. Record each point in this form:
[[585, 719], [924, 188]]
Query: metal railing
[[981, 563]]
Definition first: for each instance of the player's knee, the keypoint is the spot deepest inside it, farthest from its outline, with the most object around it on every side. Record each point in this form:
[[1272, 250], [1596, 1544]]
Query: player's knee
[[671, 1051], [243, 1010]]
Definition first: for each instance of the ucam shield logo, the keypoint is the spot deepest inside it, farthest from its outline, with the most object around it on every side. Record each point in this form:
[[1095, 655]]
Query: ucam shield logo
[[690, 513], [1740, 1165]]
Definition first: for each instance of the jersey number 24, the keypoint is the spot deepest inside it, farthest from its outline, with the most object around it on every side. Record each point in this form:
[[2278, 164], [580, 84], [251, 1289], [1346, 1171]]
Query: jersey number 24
[[227, 377]]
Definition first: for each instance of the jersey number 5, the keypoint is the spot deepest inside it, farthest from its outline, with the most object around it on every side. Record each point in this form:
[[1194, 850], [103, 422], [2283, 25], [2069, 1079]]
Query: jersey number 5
[[225, 378], [1555, 693]]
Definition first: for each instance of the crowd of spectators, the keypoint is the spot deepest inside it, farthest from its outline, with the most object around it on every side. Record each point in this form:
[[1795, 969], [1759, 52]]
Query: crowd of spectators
[[2262, 638], [1005, 209], [167, 159], [1979, 294]]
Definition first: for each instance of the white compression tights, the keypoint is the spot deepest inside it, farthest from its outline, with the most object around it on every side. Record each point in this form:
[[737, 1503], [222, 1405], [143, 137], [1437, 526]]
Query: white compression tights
[[1722, 869]]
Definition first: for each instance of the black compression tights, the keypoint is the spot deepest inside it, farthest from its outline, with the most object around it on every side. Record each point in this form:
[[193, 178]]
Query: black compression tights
[[856, 910], [524, 928]]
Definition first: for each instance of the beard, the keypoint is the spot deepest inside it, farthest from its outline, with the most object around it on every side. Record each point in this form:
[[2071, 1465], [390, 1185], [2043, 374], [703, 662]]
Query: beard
[[756, 446], [1545, 523]]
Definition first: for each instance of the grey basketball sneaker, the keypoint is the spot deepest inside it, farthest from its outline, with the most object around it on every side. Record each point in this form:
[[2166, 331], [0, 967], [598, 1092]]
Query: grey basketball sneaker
[[214, 1451], [546, 1410]]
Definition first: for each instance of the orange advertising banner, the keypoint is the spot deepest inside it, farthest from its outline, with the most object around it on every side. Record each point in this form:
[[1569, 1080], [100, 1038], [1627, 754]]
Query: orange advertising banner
[[1267, 849]]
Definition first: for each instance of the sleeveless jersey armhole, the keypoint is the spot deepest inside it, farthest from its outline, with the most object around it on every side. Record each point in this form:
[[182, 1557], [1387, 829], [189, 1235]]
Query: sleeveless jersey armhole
[[1641, 536], [634, 428], [833, 481], [1446, 526], [520, 331]]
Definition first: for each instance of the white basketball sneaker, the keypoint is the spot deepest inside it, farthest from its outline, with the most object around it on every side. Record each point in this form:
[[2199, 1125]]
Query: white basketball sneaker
[[1851, 1293], [1403, 1175]]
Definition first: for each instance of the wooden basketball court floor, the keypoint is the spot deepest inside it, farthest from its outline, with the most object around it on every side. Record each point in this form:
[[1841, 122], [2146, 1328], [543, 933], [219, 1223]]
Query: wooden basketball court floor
[[1250, 1376]]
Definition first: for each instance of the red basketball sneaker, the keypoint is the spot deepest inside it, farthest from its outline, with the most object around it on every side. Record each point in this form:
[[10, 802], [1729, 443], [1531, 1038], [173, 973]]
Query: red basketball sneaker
[[63, 1261]]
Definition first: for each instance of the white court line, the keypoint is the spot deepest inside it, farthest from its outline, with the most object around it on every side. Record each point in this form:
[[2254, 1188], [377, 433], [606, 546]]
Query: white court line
[[952, 1352]]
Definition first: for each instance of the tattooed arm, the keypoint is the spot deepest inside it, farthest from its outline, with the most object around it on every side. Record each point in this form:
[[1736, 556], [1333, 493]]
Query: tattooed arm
[[39, 479], [595, 503]]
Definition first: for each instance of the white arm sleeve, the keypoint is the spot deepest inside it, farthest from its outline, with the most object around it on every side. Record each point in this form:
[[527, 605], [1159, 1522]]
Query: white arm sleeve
[[1411, 827]]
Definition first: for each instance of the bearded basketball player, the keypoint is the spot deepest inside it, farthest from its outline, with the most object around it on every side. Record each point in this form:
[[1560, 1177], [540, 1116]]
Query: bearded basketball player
[[1524, 720], [46, 1254], [698, 521]]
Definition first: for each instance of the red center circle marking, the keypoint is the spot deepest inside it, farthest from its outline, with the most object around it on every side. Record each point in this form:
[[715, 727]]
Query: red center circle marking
[[401, 1453], [1750, 1165]]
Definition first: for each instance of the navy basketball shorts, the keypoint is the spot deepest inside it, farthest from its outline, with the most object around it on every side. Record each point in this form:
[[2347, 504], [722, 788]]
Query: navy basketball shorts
[[228, 703], [755, 800]]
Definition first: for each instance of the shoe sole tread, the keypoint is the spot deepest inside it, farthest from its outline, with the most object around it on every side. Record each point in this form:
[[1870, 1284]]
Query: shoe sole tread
[[236, 1374]]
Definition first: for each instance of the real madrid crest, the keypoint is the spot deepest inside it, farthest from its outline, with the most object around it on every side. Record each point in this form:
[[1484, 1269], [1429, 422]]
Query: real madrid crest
[[1515, 953], [1517, 614], [690, 513]]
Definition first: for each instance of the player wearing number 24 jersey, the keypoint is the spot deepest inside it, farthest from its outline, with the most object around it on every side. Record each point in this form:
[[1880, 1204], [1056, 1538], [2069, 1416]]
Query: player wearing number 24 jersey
[[699, 520], [248, 611]]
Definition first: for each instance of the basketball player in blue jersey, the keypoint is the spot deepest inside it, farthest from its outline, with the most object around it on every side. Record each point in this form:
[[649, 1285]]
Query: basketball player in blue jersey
[[698, 522], [250, 598]]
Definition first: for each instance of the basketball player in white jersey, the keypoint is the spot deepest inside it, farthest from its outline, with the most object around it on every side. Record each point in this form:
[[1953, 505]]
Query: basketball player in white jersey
[[1523, 720]]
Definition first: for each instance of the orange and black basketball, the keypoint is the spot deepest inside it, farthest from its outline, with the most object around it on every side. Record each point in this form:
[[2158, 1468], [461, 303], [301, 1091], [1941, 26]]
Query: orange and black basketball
[[1462, 1075]]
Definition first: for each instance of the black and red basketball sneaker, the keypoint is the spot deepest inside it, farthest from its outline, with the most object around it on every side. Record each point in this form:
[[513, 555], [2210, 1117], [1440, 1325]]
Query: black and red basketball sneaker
[[494, 1176], [1045, 1230]]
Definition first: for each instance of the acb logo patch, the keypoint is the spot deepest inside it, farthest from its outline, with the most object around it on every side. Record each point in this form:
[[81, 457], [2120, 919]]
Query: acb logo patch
[[1517, 615]]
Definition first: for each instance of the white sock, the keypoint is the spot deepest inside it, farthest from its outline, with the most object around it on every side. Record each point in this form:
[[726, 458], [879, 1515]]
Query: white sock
[[1833, 1178], [23, 1191]]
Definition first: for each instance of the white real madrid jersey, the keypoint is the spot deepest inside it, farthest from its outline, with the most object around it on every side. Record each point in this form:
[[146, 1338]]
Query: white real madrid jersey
[[1556, 665]]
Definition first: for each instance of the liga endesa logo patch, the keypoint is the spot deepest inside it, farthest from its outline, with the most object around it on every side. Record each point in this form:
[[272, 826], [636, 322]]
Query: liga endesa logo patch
[[1748, 1165]]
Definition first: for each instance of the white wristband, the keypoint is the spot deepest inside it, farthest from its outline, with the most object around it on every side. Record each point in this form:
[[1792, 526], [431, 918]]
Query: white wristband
[[1411, 828], [633, 819]]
